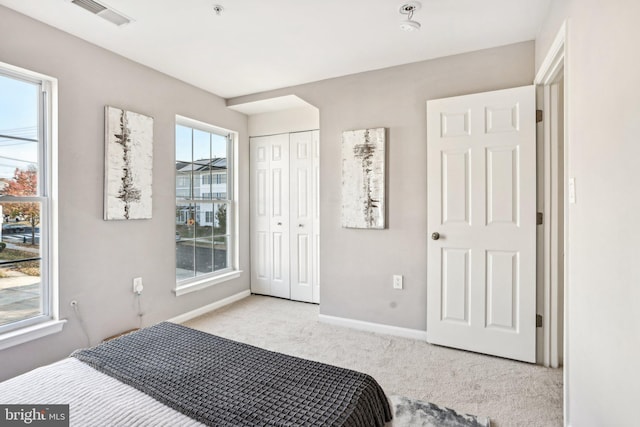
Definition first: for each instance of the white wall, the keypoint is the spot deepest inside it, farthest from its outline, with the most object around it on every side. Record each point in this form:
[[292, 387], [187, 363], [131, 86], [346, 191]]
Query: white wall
[[603, 67], [356, 266], [284, 121], [98, 259]]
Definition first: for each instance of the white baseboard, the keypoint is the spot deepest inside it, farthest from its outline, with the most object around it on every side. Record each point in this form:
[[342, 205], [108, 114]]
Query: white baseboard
[[379, 328], [209, 307]]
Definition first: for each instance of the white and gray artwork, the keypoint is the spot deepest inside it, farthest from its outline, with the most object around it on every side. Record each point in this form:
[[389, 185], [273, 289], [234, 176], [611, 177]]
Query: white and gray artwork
[[363, 178], [128, 164]]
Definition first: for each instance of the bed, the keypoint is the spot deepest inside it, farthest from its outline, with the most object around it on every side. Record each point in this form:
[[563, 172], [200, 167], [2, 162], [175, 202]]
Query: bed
[[171, 375]]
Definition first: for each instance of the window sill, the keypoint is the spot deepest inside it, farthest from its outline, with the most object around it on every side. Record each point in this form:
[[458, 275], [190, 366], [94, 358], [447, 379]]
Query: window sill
[[205, 283], [30, 333]]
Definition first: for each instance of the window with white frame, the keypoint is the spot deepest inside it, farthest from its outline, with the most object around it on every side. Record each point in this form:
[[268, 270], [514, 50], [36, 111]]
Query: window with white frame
[[27, 283], [204, 202]]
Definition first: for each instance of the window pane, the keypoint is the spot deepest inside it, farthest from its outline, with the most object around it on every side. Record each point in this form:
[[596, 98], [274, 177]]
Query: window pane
[[184, 159], [20, 289], [220, 219], [220, 253], [219, 145], [185, 221], [183, 144], [219, 186], [205, 187], [204, 256], [183, 183], [19, 134], [204, 220], [185, 226], [184, 258], [201, 146]]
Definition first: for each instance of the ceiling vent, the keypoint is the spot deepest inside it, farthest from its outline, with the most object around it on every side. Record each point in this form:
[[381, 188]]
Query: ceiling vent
[[103, 11]]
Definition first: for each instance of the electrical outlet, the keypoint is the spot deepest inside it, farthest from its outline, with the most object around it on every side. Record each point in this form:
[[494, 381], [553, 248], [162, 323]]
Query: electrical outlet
[[137, 285], [397, 281]]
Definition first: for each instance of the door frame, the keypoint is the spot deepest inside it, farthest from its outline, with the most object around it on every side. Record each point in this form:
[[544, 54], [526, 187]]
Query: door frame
[[553, 69]]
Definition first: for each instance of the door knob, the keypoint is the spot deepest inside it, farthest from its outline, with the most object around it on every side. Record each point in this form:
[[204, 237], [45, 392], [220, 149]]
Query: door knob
[[279, 223], [435, 236], [301, 225]]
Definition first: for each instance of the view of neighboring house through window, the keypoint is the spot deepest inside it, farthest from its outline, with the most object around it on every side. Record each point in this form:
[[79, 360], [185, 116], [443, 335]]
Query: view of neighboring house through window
[[25, 284], [203, 202]]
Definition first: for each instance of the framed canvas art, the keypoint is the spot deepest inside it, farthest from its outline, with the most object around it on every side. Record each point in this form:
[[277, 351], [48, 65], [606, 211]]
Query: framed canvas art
[[128, 165], [363, 178]]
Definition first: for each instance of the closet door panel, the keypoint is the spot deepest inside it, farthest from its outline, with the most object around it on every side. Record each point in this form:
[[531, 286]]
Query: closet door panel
[[260, 216], [301, 216], [279, 168], [270, 215]]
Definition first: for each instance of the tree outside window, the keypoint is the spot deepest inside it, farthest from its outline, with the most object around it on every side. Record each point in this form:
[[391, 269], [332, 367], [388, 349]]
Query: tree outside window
[[24, 183]]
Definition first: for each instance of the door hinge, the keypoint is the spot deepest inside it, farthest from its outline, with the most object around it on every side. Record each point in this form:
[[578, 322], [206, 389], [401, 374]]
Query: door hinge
[[538, 116], [538, 321], [539, 218]]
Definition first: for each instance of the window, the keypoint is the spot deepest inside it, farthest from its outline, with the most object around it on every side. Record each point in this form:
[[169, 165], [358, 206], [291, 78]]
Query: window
[[27, 283], [205, 232]]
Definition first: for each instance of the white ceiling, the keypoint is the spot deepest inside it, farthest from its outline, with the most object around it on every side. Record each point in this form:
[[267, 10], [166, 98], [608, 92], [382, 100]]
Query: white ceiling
[[258, 45]]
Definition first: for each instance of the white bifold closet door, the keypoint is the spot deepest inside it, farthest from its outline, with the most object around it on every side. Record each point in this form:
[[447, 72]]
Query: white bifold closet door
[[285, 216], [270, 215]]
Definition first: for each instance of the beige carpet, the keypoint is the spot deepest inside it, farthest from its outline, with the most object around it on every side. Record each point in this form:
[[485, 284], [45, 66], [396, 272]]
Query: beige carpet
[[510, 393]]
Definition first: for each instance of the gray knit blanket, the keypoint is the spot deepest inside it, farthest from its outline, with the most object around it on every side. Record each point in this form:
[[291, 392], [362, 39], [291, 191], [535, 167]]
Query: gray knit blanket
[[224, 383]]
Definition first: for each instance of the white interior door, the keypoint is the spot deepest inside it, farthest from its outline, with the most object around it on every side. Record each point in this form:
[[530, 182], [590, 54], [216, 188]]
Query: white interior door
[[302, 218], [270, 215], [481, 276]]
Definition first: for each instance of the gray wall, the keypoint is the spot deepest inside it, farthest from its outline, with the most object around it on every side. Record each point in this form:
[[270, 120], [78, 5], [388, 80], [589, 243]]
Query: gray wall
[[603, 293], [98, 259], [284, 121], [357, 265]]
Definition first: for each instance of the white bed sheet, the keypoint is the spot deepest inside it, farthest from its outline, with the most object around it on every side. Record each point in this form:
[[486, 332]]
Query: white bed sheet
[[94, 399]]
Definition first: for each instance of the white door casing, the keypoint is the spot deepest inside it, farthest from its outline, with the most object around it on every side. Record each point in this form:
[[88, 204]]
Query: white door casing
[[315, 140], [481, 275], [270, 215]]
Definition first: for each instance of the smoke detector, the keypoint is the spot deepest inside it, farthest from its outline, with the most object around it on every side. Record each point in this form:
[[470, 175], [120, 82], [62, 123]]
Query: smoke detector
[[218, 9], [103, 11], [408, 9]]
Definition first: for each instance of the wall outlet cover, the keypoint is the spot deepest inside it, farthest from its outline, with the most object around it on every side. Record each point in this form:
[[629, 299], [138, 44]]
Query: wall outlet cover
[[397, 281], [137, 285]]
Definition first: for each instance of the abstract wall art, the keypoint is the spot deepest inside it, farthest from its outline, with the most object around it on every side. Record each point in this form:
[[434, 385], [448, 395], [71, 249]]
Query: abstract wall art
[[128, 164], [363, 178]]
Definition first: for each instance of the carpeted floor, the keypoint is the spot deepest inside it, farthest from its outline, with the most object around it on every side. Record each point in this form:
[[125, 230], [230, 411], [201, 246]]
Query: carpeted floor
[[510, 393]]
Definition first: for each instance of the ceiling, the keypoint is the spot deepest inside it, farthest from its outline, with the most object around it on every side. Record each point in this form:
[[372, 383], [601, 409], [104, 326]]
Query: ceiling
[[258, 45]]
